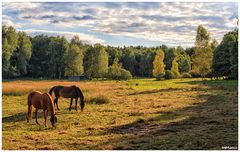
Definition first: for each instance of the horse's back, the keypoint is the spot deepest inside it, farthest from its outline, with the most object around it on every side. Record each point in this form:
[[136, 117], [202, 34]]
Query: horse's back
[[68, 92], [35, 97]]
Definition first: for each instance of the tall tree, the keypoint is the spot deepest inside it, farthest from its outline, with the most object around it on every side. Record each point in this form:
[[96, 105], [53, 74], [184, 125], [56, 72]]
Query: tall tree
[[158, 64], [96, 62], [146, 64], [214, 44], [39, 61], [234, 54], [10, 43], [128, 59], [74, 61], [202, 58], [113, 54], [170, 54], [58, 48], [22, 55], [76, 40], [225, 61], [184, 62], [174, 69]]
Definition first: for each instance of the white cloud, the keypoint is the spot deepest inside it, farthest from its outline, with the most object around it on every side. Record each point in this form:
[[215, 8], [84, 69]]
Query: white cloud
[[162, 22], [89, 39]]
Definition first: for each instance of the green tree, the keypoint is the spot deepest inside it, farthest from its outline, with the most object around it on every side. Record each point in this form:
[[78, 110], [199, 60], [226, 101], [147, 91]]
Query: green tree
[[96, 62], [76, 40], [58, 48], [170, 54], [10, 43], [39, 61], [146, 63], [74, 61], [183, 60], [225, 60], [22, 55], [158, 64], [202, 58], [128, 59], [115, 71], [234, 54], [214, 44], [113, 53]]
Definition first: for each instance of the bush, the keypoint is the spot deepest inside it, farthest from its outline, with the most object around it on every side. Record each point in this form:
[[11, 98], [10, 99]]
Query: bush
[[99, 100], [118, 73], [160, 76], [125, 75], [186, 75], [169, 74], [194, 74]]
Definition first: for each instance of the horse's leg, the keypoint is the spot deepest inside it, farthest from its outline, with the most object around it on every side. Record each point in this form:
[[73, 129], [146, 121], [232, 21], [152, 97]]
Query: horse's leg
[[29, 116], [36, 116], [45, 117], [56, 102], [76, 99], [70, 104]]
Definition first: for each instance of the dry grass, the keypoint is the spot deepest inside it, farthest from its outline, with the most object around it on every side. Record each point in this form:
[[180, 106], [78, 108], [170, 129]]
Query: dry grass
[[172, 114]]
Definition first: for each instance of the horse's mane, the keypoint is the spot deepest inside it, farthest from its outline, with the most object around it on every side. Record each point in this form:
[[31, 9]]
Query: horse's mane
[[50, 98], [80, 93]]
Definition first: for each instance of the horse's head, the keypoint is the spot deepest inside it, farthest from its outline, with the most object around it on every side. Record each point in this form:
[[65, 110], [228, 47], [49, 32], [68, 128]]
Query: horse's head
[[53, 119], [82, 104], [80, 95]]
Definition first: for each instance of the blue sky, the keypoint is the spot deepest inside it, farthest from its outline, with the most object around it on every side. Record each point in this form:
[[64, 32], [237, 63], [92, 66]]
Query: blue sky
[[118, 24]]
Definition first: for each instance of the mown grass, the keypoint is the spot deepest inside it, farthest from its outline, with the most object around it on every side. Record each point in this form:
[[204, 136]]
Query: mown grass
[[138, 114]]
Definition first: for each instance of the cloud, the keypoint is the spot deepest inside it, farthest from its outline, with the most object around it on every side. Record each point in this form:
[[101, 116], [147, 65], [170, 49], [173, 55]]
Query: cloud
[[89, 39], [162, 22]]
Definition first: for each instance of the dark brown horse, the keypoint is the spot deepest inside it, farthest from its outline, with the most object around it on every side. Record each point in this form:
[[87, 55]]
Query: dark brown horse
[[72, 92], [41, 101]]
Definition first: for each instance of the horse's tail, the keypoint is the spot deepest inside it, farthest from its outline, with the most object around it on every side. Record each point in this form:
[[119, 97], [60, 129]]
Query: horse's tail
[[80, 94], [50, 91], [29, 116]]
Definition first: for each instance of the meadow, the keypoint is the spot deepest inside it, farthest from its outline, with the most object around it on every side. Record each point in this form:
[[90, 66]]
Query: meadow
[[140, 114]]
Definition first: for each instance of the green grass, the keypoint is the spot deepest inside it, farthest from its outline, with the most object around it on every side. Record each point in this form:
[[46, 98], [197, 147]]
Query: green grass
[[138, 114]]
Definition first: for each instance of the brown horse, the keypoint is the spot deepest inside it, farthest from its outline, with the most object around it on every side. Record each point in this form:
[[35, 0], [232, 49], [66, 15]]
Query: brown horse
[[41, 101], [68, 92]]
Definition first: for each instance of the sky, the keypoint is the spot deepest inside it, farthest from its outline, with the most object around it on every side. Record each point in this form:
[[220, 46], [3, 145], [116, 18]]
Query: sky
[[123, 23]]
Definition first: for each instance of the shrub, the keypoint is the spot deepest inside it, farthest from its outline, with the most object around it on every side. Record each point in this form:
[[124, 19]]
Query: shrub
[[99, 100], [117, 73], [186, 75], [194, 74], [125, 75], [169, 74], [160, 76]]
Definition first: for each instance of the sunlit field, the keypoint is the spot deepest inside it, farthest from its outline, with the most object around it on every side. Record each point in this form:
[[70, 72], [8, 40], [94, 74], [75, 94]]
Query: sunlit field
[[141, 114]]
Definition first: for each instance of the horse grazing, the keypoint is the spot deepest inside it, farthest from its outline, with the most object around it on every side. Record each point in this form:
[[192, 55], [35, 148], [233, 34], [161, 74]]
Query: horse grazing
[[68, 92], [41, 101]]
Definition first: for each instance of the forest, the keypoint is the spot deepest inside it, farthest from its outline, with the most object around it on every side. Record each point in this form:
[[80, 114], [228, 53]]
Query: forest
[[48, 57]]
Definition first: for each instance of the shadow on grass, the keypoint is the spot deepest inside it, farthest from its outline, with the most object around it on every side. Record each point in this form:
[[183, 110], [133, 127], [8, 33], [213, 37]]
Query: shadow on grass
[[22, 116], [155, 91], [206, 125], [168, 90], [232, 84]]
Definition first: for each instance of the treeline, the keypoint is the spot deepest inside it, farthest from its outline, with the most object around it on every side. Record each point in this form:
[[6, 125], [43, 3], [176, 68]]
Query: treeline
[[55, 57]]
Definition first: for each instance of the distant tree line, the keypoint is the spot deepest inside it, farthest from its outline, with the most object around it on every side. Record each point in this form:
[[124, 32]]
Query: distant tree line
[[54, 57]]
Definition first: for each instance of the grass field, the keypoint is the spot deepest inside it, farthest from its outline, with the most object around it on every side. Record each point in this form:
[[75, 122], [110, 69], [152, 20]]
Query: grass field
[[141, 114]]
